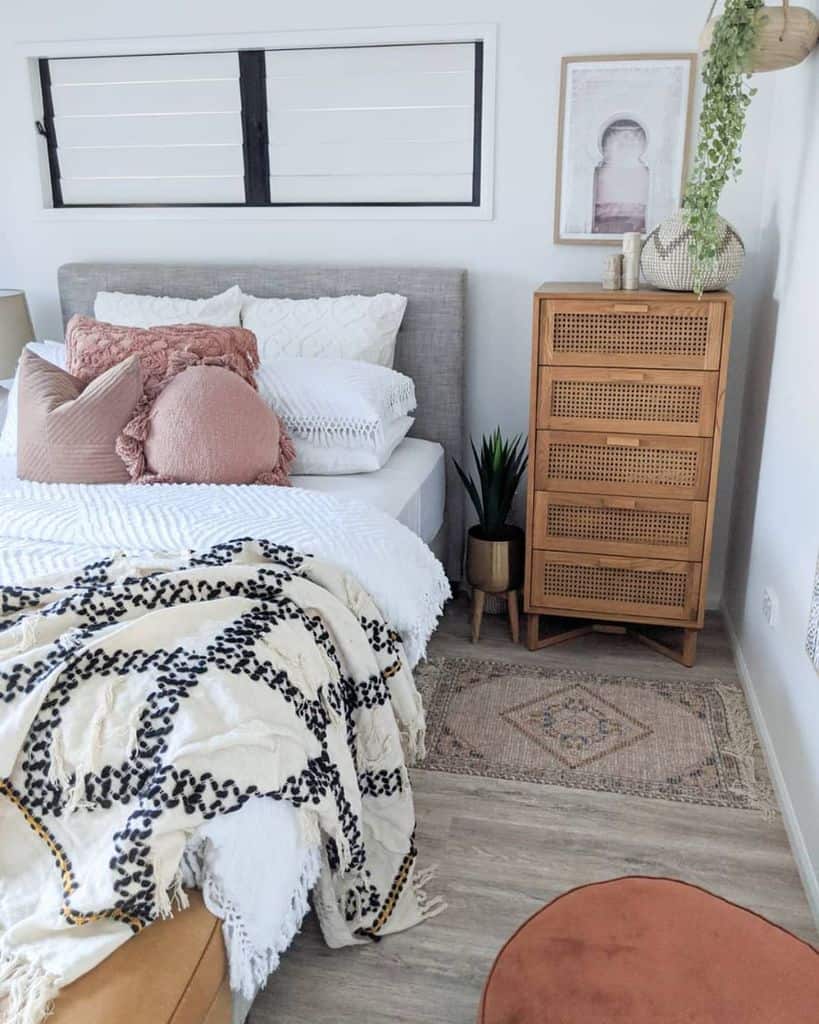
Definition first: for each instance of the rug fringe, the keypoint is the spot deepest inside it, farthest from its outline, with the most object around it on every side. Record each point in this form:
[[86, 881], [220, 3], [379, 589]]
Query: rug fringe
[[743, 749]]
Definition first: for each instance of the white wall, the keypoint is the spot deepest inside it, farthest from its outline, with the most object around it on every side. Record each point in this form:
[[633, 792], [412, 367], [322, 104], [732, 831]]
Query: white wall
[[506, 257], [775, 520]]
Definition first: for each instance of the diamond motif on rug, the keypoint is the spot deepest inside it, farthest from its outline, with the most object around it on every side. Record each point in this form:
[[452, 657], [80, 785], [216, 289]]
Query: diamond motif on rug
[[576, 726], [690, 740]]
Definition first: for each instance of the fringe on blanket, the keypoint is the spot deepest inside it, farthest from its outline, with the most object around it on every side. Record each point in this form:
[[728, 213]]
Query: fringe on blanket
[[27, 990], [430, 906], [250, 967]]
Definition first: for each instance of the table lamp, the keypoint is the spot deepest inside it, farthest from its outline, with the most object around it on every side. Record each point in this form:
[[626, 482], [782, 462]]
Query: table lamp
[[15, 329]]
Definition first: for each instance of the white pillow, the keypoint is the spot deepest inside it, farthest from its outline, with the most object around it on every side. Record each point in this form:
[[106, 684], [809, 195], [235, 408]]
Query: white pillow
[[340, 460], [336, 402], [350, 327], [52, 352], [221, 310]]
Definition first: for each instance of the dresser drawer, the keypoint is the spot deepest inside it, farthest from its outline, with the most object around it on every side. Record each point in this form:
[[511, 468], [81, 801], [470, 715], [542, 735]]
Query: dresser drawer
[[686, 335], [616, 525], [612, 586], [678, 402], [639, 464]]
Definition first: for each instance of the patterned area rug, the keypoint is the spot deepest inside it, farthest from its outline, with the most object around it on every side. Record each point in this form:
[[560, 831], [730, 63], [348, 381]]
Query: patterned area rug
[[691, 741]]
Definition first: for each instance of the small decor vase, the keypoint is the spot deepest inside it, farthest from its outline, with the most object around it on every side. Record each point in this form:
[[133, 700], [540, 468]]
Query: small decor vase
[[666, 260]]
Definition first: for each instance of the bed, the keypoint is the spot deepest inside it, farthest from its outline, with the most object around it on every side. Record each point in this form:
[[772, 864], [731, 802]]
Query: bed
[[368, 525], [430, 346]]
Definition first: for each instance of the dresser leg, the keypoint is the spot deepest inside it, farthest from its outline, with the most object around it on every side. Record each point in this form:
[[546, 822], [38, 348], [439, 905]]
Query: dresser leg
[[514, 621], [478, 599], [687, 653], [532, 631], [689, 647]]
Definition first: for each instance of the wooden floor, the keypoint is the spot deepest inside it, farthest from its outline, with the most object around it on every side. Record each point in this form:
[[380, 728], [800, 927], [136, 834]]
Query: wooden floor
[[505, 848]]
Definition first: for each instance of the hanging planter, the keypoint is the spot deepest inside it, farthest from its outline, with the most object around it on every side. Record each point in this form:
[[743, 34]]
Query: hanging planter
[[784, 37], [748, 36], [717, 160]]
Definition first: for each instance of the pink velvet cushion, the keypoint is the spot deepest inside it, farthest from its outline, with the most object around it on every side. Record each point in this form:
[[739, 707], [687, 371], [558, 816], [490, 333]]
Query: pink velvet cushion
[[207, 425], [67, 430], [93, 346]]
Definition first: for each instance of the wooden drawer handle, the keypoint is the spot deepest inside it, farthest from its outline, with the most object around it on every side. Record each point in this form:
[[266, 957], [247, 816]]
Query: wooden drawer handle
[[624, 442], [626, 375], [601, 562], [630, 307], [615, 502]]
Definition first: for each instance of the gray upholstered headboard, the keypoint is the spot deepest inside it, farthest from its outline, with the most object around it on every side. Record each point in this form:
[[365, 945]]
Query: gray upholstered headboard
[[430, 345]]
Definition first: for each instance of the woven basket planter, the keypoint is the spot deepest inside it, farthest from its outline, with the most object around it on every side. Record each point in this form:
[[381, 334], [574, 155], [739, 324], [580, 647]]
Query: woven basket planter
[[666, 260], [786, 35]]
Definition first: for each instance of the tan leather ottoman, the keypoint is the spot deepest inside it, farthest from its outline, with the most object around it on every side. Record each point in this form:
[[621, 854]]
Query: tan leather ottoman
[[174, 972]]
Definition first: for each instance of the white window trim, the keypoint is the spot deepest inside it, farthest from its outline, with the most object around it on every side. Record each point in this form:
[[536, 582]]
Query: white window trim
[[482, 32]]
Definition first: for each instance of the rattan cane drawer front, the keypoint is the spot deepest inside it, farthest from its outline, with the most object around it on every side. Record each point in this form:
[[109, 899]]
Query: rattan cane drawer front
[[614, 587], [612, 524], [675, 402], [685, 335], [638, 464]]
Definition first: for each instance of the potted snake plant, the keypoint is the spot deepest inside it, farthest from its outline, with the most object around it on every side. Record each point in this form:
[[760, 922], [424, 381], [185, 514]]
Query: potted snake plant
[[494, 557]]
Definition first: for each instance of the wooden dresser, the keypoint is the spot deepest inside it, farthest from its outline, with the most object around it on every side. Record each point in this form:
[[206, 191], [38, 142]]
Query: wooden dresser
[[626, 409]]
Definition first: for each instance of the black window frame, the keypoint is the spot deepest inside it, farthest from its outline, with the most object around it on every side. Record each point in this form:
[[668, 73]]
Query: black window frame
[[255, 153]]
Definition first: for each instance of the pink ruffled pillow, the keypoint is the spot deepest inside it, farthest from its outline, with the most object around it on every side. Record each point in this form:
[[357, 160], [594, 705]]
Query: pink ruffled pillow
[[206, 425], [92, 347]]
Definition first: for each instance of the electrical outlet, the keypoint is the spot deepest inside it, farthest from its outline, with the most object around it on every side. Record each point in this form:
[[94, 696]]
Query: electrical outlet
[[770, 606]]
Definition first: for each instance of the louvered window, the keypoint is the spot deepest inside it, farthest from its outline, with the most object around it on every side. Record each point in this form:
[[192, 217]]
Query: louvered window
[[385, 125]]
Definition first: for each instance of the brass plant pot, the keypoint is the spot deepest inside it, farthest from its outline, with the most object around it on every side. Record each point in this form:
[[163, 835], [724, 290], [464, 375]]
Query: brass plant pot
[[495, 566]]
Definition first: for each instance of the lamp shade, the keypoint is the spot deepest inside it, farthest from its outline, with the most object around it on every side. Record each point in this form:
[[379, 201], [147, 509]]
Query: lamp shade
[[15, 329]]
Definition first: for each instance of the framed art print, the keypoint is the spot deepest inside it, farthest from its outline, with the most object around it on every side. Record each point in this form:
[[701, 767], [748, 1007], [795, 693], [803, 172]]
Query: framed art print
[[623, 142]]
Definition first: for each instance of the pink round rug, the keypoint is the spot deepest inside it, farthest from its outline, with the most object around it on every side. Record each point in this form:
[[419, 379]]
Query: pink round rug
[[650, 951]]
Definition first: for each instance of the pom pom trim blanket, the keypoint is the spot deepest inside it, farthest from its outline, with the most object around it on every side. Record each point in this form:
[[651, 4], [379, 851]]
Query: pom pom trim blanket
[[141, 701]]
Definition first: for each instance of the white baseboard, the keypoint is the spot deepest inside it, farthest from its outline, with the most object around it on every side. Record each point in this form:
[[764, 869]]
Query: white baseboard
[[807, 872]]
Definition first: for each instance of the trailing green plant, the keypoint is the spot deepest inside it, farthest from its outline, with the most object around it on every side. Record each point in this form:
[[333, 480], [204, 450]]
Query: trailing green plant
[[500, 466], [725, 75]]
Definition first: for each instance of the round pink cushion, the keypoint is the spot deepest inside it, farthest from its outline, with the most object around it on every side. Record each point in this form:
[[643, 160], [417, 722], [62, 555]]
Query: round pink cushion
[[209, 426]]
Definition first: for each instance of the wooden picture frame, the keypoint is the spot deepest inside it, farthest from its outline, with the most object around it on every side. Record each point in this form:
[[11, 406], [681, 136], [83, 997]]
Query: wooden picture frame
[[623, 118]]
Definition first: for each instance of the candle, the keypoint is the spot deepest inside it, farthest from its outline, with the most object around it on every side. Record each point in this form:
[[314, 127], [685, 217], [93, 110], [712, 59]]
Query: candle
[[613, 272], [632, 244]]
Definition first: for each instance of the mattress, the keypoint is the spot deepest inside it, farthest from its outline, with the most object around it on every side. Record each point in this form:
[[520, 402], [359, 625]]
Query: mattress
[[411, 487]]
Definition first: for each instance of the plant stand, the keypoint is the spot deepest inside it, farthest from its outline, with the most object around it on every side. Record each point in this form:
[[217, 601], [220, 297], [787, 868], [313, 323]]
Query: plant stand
[[476, 617]]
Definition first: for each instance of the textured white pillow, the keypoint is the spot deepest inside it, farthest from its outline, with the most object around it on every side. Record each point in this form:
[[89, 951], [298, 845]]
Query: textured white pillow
[[336, 402], [52, 352], [350, 327], [341, 460], [221, 310]]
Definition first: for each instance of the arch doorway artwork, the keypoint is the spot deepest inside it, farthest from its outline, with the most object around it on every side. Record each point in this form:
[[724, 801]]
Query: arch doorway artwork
[[623, 137], [621, 179]]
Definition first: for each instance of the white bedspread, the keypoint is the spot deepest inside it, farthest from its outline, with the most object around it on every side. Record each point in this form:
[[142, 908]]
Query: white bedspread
[[48, 528]]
